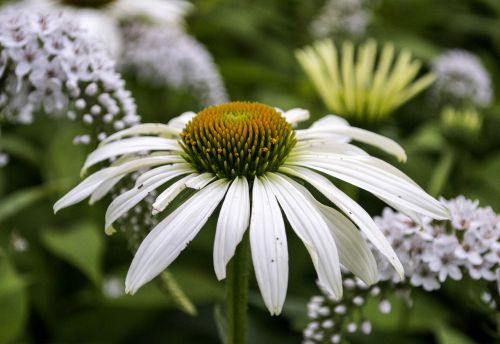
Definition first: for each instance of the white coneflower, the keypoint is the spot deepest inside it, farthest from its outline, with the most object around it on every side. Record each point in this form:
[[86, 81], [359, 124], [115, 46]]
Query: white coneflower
[[166, 55], [49, 65], [248, 156], [101, 18], [348, 18], [462, 79]]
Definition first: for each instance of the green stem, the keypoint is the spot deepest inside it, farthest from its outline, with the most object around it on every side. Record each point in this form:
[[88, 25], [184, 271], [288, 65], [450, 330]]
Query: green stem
[[441, 173], [169, 286], [237, 293]]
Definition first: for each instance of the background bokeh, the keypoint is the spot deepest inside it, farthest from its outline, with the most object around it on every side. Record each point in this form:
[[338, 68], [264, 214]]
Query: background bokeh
[[61, 278]]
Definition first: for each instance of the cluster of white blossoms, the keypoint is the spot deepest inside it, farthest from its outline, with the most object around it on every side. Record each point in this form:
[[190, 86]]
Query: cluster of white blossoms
[[431, 252], [331, 319], [47, 65], [342, 17], [101, 18], [461, 79], [166, 55]]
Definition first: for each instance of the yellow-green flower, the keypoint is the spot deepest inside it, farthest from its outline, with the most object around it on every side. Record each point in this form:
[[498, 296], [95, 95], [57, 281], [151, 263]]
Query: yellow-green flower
[[363, 83]]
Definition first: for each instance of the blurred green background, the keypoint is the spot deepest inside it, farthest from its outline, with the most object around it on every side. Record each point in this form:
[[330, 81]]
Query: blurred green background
[[65, 284]]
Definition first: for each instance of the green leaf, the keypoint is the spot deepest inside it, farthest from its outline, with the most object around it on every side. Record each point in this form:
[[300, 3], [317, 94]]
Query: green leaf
[[63, 159], [427, 138], [81, 245], [441, 174], [14, 203], [20, 148], [448, 335], [13, 303]]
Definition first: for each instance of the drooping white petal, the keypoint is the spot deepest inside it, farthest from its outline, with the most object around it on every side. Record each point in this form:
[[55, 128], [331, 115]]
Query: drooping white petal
[[294, 116], [169, 194], [180, 122], [200, 181], [104, 188], [132, 197], [352, 209], [269, 246], [92, 182], [160, 170], [83, 190], [141, 129], [131, 145], [382, 182], [231, 225], [311, 228], [415, 217], [384, 143], [166, 241], [354, 252]]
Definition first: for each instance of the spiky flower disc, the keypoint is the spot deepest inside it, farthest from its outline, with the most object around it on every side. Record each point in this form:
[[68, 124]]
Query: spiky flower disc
[[237, 139]]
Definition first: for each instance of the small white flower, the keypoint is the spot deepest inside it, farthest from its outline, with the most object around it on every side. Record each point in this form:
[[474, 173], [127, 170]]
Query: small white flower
[[336, 338], [366, 327], [4, 159], [468, 249], [384, 307], [424, 277], [351, 327]]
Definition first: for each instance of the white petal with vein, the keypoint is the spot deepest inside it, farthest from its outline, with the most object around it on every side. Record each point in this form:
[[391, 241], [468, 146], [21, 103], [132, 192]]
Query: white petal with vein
[[166, 241], [231, 225]]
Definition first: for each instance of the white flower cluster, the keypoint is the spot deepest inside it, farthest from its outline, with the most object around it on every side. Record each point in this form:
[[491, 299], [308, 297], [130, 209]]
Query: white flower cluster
[[470, 244], [461, 78], [165, 55], [332, 319], [344, 17], [47, 65], [430, 253]]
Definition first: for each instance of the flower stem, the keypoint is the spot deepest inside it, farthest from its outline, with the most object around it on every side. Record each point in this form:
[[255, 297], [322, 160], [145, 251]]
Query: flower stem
[[441, 173], [237, 293]]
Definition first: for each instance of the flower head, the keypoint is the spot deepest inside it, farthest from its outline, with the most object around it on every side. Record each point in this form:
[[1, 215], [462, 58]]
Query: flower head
[[434, 253], [101, 18], [47, 64], [248, 156], [167, 56], [342, 17], [362, 88], [462, 79]]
